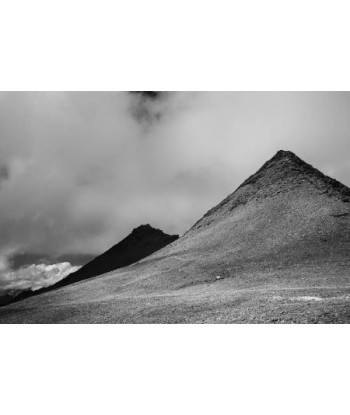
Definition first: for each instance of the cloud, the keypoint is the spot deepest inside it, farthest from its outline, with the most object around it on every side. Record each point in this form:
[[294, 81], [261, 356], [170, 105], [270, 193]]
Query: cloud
[[83, 169], [34, 277], [148, 107]]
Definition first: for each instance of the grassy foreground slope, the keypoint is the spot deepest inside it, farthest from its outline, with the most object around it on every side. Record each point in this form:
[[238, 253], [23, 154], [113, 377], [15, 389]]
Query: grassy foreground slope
[[275, 250]]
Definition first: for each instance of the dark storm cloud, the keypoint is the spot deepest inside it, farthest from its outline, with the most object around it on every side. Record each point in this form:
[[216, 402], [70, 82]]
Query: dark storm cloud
[[83, 169]]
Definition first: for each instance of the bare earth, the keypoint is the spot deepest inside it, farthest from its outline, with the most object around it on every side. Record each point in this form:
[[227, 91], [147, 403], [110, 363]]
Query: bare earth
[[304, 298]]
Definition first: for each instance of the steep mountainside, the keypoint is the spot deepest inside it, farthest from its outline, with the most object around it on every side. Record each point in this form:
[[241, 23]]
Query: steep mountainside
[[277, 249]]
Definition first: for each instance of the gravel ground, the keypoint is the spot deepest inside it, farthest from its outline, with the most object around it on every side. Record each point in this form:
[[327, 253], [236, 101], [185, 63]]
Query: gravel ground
[[219, 302]]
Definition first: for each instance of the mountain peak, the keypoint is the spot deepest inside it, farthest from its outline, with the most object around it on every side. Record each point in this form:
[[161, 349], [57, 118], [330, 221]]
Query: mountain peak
[[284, 153], [283, 163], [288, 157], [287, 171], [145, 229]]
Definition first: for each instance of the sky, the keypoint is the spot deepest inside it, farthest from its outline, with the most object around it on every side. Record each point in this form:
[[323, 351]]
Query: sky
[[80, 170]]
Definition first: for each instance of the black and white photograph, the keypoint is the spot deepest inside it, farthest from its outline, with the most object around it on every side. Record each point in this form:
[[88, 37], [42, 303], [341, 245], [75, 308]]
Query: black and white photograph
[[174, 207]]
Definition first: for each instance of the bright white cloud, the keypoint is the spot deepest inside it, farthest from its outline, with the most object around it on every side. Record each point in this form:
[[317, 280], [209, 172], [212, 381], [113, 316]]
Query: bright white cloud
[[34, 277]]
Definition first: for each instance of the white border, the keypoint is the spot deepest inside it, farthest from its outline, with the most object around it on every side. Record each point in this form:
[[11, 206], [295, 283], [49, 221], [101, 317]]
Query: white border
[[175, 370], [174, 45]]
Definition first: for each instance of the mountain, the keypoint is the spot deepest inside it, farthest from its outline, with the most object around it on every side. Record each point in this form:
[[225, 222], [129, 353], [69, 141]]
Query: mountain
[[275, 250], [141, 242], [6, 298]]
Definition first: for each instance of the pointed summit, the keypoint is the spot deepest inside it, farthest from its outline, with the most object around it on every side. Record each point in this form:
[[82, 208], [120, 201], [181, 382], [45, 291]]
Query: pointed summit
[[283, 166], [144, 230], [291, 172], [285, 155]]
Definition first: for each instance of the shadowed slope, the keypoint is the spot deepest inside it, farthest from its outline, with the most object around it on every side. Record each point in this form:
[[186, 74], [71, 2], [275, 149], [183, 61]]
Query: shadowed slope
[[284, 230], [142, 241]]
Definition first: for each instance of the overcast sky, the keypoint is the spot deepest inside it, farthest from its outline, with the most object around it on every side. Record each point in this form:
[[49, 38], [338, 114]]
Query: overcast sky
[[79, 171]]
